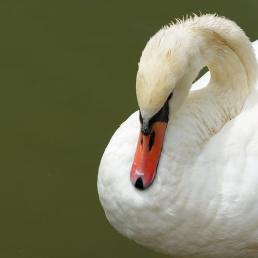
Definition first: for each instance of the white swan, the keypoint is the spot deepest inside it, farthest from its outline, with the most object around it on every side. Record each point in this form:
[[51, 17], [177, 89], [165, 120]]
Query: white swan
[[203, 201]]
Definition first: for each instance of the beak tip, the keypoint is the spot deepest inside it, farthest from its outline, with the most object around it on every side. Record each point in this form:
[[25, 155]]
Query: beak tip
[[139, 184]]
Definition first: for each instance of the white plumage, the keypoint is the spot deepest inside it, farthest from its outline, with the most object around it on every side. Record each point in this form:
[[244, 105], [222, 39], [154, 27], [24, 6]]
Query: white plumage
[[204, 199]]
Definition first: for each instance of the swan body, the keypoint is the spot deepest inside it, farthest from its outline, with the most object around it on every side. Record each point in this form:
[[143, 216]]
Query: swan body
[[204, 199]]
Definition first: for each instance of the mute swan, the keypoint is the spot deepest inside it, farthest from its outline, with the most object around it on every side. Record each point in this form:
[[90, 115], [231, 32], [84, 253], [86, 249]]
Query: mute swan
[[197, 195]]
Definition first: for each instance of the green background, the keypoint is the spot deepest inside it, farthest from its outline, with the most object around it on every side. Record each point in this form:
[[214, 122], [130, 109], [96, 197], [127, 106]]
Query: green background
[[67, 80]]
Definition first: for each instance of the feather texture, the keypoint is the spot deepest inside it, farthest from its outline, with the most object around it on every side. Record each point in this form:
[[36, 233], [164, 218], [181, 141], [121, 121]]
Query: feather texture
[[204, 200]]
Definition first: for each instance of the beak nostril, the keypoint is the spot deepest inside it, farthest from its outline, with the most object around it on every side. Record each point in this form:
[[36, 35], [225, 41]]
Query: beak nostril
[[151, 141], [139, 184]]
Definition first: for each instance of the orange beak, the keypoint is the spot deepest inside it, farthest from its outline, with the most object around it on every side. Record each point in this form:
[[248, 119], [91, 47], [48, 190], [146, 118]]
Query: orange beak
[[147, 156]]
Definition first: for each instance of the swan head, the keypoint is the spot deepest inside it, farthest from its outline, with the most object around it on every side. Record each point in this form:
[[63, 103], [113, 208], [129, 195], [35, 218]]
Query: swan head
[[154, 84], [168, 64], [163, 80]]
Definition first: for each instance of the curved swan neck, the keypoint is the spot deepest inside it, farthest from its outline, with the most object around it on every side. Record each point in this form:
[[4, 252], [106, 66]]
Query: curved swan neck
[[217, 39], [174, 56], [230, 82], [230, 58]]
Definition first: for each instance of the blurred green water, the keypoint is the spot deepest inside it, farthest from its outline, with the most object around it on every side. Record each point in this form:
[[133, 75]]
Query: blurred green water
[[67, 75]]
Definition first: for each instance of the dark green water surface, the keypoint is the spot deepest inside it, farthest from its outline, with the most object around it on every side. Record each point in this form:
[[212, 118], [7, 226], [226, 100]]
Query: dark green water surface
[[67, 80]]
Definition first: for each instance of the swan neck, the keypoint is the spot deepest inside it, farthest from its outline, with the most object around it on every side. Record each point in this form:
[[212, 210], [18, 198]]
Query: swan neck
[[229, 78], [210, 108]]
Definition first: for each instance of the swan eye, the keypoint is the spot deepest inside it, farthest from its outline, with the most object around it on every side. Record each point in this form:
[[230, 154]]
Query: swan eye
[[146, 128], [163, 114], [160, 116]]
